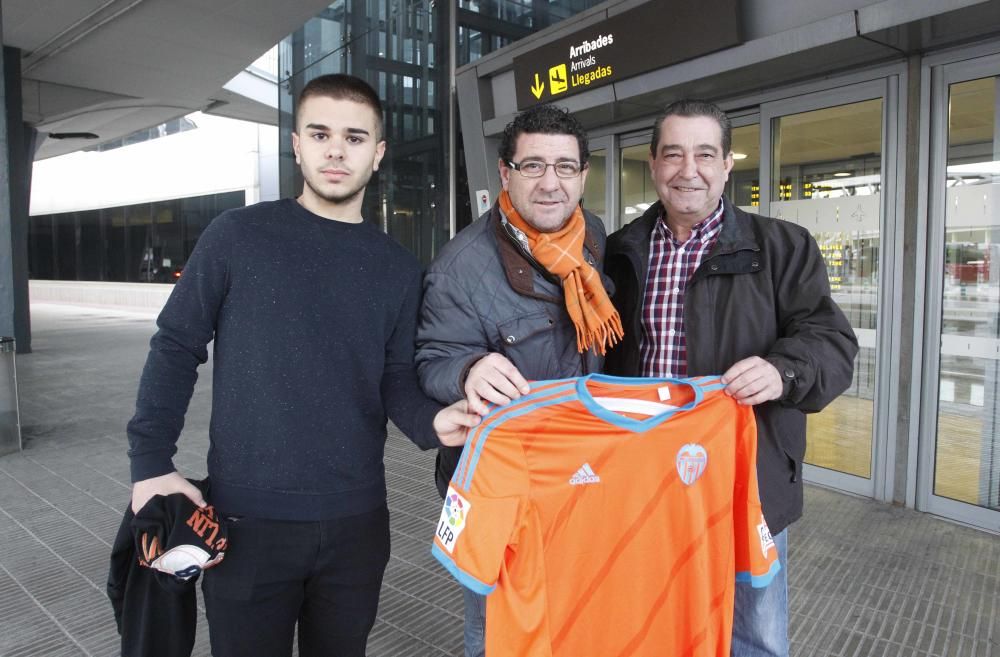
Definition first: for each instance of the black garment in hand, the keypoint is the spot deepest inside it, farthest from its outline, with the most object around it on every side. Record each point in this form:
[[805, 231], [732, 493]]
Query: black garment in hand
[[156, 613]]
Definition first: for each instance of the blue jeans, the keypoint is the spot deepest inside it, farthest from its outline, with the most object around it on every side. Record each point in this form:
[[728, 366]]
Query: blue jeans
[[760, 616], [475, 623]]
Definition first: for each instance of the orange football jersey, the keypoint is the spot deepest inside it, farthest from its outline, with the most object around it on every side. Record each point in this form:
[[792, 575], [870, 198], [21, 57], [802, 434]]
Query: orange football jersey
[[609, 517]]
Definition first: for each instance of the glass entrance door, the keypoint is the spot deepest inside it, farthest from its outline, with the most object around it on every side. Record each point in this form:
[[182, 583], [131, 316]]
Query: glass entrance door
[[960, 443], [743, 187], [637, 190], [598, 192], [826, 172]]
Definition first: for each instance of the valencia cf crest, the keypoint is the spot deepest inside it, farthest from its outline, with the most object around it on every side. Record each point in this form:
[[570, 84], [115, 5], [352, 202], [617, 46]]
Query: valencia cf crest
[[691, 462]]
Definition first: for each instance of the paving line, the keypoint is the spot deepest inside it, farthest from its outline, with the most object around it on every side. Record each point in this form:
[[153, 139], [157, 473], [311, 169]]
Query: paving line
[[414, 583], [54, 506], [438, 573], [49, 646], [42, 607], [935, 609], [127, 487], [427, 480], [54, 553], [46, 545], [434, 502], [423, 519], [88, 494], [407, 594], [406, 632]]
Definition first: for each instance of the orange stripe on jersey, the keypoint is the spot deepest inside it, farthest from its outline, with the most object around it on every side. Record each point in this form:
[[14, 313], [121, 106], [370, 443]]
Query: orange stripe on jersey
[[670, 587], [644, 516], [700, 637]]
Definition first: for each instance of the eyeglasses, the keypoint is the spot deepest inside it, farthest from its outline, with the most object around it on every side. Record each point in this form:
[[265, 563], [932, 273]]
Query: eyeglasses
[[536, 168]]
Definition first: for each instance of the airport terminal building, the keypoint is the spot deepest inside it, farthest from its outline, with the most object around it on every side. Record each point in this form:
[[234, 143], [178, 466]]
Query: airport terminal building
[[875, 124]]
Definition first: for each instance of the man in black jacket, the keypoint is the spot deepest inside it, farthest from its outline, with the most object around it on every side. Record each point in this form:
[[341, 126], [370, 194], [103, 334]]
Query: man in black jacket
[[703, 288]]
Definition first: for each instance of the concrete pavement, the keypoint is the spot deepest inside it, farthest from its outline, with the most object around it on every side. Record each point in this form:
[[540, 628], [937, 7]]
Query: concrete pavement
[[866, 580]]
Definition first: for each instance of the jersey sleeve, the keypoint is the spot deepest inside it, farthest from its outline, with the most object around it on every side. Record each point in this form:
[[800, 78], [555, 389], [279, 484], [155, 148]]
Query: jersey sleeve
[[482, 510], [756, 554]]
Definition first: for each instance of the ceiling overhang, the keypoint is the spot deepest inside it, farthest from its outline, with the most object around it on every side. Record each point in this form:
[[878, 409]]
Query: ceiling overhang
[[111, 67]]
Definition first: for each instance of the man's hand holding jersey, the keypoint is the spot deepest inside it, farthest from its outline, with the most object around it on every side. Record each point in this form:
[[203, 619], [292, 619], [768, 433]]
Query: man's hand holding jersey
[[753, 381], [493, 379], [453, 422], [172, 482]]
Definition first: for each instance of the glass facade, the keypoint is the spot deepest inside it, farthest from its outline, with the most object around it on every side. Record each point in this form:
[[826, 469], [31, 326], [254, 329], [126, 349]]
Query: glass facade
[[181, 124], [637, 190], [595, 193], [142, 243], [967, 443], [401, 49], [743, 187], [488, 25], [827, 177]]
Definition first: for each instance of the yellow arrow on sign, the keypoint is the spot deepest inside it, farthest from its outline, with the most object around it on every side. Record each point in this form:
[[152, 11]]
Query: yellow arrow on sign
[[538, 88]]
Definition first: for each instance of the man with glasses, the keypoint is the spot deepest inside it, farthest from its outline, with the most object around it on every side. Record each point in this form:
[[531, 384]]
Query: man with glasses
[[518, 295]]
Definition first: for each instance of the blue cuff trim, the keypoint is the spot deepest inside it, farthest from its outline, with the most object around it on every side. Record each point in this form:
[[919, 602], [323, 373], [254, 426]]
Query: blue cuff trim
[[759, 581], [465, 579]]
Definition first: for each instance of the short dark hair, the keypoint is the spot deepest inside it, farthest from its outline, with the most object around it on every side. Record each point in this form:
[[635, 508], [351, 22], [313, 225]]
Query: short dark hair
[[340, 86], [690, 107], [545, 120]]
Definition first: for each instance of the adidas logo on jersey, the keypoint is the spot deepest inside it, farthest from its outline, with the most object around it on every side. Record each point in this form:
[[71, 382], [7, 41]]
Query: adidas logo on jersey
[[585, 475]]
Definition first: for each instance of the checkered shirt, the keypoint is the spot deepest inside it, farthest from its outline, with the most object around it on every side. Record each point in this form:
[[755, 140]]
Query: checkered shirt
[[671, 265]]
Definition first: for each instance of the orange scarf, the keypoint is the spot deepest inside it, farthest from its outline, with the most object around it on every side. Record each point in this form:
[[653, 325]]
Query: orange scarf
[[561, 253]]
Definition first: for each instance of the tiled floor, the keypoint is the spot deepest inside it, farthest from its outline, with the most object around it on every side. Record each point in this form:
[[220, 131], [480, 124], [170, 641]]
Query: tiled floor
[[866, 580]]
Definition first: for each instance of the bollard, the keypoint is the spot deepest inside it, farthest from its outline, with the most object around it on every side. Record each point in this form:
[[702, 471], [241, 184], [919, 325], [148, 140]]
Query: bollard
[[10, 420]]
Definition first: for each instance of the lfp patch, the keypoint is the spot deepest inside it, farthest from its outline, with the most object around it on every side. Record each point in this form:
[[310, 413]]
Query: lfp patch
[[454, 515], [766, 541], [692, 459]]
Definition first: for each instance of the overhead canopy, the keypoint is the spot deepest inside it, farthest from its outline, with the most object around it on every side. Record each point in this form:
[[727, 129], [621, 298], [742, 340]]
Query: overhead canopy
[[111, 67]]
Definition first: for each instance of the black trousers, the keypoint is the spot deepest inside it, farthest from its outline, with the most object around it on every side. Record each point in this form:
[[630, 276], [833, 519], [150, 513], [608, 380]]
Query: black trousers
[[323, 576]]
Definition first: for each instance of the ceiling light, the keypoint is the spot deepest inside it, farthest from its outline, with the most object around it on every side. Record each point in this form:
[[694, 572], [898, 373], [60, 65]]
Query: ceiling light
[[851, 181], [841, 174], [72, 135], [739, 156], [976, 168]]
